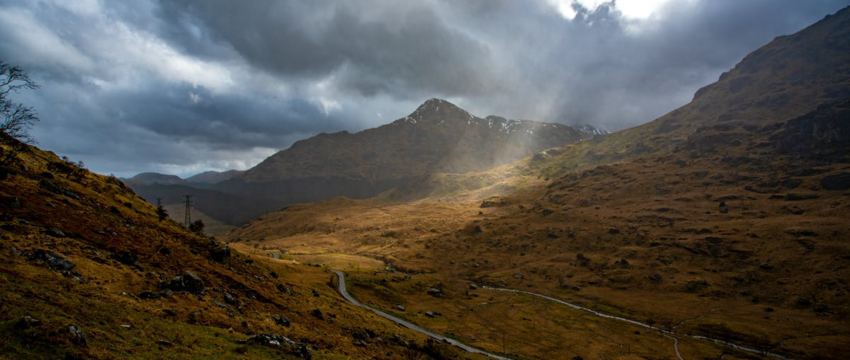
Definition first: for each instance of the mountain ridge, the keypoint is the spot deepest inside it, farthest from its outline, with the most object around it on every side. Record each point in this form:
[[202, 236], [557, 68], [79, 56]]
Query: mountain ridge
[[438, 135]]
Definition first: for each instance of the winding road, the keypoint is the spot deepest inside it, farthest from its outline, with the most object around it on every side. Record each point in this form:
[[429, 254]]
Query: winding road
[[669, 333], [638, 323], [342, 291]]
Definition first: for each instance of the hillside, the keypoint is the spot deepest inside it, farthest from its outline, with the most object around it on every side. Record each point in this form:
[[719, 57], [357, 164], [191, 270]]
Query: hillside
[[724, 219], [791, 76], [89, 272], [213, 177]]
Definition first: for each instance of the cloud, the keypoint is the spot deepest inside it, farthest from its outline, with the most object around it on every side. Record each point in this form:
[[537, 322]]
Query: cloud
[[184, 85], [371, 47]]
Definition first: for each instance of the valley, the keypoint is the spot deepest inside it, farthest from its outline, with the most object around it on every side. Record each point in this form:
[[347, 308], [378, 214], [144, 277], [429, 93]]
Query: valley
[[716, 231]]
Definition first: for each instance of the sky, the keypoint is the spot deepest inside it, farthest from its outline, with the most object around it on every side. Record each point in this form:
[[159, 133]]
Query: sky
[[185, 86]]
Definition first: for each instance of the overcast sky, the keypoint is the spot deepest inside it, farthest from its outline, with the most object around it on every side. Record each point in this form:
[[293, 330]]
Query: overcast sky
[[183, 86]]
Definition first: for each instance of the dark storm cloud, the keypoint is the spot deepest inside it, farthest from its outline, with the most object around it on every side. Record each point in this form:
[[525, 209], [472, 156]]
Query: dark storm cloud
[[184, 86], [374, 46], [222, 122]]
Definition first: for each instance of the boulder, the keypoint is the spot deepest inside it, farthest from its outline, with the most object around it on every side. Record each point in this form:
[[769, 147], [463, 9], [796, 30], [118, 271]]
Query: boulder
[[55, 232], [125, 257], [281, 320], [53, 260], [434, 292], [27, 322], [76, 335], [582, 260], [230, 299], [283, 289], [221, 253], [836, 182], [188, 282]]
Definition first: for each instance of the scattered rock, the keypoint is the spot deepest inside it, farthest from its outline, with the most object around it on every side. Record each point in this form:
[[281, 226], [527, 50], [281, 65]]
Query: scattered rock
[[76, 335], [169, 312], [434, 292], [315, 293], [492, 203], [187, 281], [582, 260], [655, 277], [317, 314], [195, 316], [281, 320], [275, 340], [219, 254], [283, 289], [766, 266], [27, 322], [53, 260], [164, 343], [230, 299], [613, 230], [125, 257], [149, 295], [56, 188], [54, 232], [473, 287], [400, 308]]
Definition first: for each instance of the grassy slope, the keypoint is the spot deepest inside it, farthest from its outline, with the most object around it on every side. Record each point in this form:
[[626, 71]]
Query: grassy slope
[[100, 217]]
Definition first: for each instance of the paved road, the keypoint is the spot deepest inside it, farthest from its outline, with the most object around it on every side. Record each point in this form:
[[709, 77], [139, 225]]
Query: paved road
[[409, 325], [638, 323]]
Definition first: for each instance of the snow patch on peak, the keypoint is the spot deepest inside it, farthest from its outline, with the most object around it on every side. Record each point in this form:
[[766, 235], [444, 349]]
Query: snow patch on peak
[[590, 130]]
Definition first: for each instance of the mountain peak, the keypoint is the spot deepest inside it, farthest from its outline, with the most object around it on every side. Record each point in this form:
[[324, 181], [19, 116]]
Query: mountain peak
[[437, 109]]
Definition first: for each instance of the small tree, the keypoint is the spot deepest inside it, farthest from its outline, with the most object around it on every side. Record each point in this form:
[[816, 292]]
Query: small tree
[[197, 227], [161, 213], [16, 119]]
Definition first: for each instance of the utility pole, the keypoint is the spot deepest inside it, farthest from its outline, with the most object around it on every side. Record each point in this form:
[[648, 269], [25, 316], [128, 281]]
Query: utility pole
[[187, 218]]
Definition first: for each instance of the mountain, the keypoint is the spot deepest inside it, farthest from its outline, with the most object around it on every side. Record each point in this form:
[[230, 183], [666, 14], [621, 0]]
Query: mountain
[[90, 272], [723, 224], [438, 137], [213, 177], [154, 178]]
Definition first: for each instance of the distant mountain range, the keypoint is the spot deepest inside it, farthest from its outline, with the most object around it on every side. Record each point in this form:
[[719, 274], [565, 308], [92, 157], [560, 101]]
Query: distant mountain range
[[438, 137], [207, 177]]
